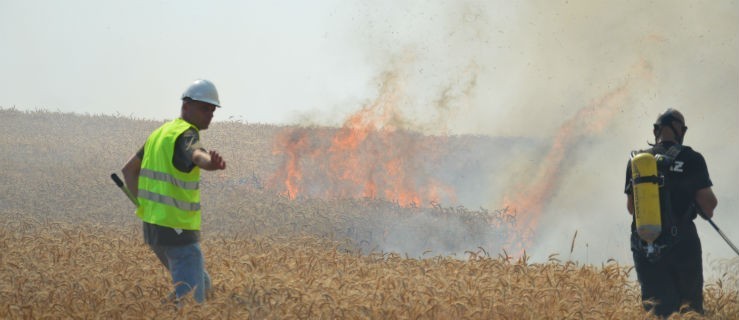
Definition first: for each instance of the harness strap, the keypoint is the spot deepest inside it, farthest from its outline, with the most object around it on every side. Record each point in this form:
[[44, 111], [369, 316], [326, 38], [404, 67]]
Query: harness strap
[[648, 179], [674, 150]]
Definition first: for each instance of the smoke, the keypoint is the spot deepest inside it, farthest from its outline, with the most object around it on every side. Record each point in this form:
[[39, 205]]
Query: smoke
[[580, 82], [590, 120], [589, 49], [443, 231]]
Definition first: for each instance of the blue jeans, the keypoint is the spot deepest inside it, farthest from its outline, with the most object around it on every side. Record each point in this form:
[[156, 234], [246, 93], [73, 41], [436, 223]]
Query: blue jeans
[[187, 267]]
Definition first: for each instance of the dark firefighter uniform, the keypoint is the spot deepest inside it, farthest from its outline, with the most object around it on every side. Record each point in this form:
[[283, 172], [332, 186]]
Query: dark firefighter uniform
[[676, 276]]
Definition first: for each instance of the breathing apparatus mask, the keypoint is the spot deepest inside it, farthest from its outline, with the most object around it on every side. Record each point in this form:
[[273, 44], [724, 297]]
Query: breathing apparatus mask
[[667, 120]]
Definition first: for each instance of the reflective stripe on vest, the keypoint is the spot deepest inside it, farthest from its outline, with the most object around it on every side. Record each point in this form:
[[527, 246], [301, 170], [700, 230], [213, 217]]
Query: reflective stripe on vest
[[168, 197], [161, 176], [182, 205]]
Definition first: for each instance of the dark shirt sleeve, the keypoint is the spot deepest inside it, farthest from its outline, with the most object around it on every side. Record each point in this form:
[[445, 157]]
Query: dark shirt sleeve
[[628, 188], [700, 178], [186, 144], [140, 153]]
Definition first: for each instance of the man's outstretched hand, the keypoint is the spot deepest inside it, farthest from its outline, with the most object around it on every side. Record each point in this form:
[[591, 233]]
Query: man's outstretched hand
[[208, 161]]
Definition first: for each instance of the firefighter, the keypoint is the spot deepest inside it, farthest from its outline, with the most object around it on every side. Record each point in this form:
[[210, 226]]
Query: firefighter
[[672, 276], [164, 175]]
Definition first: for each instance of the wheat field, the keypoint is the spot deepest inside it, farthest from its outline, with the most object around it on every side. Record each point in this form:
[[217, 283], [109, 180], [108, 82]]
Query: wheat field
[[71, 246]]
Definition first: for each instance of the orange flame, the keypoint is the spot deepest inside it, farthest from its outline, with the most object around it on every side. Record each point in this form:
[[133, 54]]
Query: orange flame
[[296, 143], [367, 157], [529, 199]]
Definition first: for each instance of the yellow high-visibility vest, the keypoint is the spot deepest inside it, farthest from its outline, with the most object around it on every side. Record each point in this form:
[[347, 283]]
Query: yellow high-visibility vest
[[167, 196]]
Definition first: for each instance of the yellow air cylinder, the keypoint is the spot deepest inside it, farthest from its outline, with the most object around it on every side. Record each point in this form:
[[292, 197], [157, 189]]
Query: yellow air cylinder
[[646, 196]]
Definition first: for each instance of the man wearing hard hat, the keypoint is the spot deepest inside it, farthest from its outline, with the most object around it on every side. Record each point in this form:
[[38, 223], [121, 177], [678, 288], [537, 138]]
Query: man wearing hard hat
[[667, 186], [165, 176]]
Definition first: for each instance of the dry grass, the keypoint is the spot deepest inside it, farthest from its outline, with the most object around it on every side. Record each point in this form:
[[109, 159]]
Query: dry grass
[[70, 246]]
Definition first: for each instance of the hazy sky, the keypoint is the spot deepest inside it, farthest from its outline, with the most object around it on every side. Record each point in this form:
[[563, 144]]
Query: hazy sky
[[492, 62], [267, 58]]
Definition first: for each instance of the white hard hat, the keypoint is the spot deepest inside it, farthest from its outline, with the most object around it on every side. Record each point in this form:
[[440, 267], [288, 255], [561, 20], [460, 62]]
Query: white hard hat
[[202, 90]]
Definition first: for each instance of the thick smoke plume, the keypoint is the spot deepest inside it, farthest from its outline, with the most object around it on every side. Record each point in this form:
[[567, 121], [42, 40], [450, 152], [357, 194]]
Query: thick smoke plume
[[577, 85]]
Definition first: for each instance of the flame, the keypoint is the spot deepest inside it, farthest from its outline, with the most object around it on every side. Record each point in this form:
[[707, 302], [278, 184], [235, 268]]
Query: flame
[[370, 157], [297, 142], [532, 195], [367, 157]]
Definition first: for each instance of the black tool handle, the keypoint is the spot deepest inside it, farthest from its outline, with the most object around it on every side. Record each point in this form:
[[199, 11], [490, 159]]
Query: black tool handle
[[117, 180], [125, 190]]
